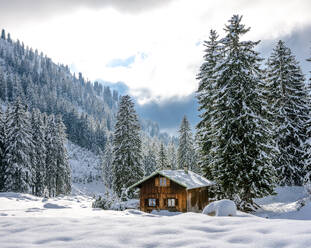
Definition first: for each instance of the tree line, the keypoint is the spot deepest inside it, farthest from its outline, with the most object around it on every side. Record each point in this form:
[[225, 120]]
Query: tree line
[[33, 157]]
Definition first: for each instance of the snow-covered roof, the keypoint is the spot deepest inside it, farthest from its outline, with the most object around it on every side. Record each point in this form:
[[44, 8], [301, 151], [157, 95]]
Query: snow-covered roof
[[189, 180]]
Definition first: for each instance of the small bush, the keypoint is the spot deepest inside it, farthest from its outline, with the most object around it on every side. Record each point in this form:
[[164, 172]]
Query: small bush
[[108, 201]]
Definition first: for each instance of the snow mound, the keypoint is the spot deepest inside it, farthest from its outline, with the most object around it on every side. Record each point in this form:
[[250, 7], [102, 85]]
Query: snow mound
[[52, 205], [220, 208]]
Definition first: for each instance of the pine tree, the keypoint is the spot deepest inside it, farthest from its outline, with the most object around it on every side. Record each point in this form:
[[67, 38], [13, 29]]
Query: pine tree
[[127, 147], [107, 167], [287, 98], [172, 156], [51, 153], [240, 147], [185, 152], [162, 162], [3, 34], [39, 152], [205, 95], [9, 38], [307, 167], [63, 170], [19, 172], [2, 149], [149, 162]]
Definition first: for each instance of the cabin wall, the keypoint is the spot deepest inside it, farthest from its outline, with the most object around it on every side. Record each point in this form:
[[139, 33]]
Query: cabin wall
[[152, 189], [197, 199]]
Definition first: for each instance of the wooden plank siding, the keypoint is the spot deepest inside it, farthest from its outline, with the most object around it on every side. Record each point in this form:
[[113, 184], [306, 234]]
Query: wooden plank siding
[[197, 199], [152, 189]]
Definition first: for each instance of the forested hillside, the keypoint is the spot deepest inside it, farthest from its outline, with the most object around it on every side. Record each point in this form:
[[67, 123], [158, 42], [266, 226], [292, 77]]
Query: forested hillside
[[88, 109]]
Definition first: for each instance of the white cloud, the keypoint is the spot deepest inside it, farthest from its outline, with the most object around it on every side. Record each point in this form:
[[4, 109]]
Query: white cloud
[[167, 35]]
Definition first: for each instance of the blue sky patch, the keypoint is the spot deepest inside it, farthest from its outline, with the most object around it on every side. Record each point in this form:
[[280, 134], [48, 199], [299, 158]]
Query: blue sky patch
[[121, 62]]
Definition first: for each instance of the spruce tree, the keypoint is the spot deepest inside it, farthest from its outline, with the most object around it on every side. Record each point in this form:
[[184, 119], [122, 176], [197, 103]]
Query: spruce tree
[[172, 156], [107, 167], [240, 148], [19, 172], [2, 149], [185, 153], [149, 161], [39, 152], [127, 164], [162, 162], [205, 95], [307, 167], [63, 170], [288, 101], [3, 34], [51, 154]]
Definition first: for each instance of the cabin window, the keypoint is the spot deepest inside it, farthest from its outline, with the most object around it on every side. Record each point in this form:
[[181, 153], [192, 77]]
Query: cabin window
[[162, 181], [152, 202], [171, 203]]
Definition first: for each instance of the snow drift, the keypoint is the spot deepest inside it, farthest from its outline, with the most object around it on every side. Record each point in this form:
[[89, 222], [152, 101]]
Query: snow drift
[[220, 208]]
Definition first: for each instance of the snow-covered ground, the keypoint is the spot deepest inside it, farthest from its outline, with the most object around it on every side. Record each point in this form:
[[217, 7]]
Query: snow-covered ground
[[27, 221], [85, 165], [285, 205]]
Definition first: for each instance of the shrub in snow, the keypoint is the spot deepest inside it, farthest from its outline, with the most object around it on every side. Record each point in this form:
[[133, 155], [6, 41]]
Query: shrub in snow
[[110, 201], [220, 208]]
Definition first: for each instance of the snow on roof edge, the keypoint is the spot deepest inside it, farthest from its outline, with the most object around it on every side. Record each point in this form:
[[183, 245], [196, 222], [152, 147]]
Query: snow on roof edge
[[201, 184]]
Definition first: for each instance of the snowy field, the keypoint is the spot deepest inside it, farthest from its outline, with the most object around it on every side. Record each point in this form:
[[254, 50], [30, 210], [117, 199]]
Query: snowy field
[[27, 221]]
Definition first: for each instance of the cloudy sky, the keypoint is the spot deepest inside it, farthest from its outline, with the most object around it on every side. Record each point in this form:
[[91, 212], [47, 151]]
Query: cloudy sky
[[153, 46]]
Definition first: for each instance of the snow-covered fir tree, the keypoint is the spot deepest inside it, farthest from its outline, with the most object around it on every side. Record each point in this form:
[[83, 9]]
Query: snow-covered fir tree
[[19, 171], [51, 161], [240, 146], [162, 162], [185, 154], [127, 163], [172, 156], [307, 166], [288, 101], [106, 163], [149, 161], [205, 95], [3, 36], [63, 170], [2, 149], [38, 152]]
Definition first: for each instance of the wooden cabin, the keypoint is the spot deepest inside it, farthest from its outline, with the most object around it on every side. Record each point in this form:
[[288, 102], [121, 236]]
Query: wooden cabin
[[173, 190]]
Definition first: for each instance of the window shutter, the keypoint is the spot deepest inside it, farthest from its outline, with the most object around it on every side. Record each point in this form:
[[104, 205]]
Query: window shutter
[[165, 202], [168, 182], [157, 202], [146, 203], [176, 202], [157, 182]]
